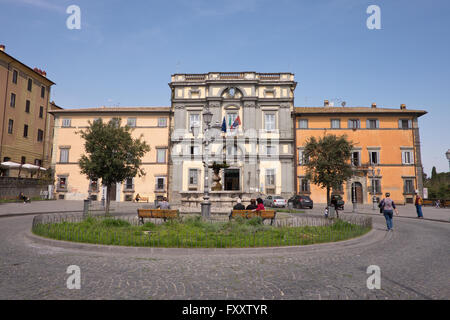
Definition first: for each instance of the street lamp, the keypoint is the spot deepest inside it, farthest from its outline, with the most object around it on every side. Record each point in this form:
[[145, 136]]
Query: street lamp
[[447, 154], [207, 118]]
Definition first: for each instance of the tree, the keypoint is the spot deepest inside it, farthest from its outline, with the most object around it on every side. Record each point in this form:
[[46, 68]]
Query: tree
[[328, 161], [112, 154], [433, 173]]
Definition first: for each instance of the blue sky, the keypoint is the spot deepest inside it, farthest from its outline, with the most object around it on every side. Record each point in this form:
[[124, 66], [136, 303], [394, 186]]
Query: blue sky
[[126, 51]]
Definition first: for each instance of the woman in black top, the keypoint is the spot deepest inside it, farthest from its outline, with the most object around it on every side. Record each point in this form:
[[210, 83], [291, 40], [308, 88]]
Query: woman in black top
[[252, 205]]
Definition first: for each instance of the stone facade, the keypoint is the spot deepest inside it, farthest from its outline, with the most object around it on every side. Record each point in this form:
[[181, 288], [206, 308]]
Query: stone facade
[[259, 151]]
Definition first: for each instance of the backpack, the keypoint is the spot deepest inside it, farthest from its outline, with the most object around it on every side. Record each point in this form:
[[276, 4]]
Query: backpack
[[381, 206]]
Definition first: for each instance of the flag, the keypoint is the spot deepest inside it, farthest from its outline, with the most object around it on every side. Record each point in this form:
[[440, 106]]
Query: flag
[[224, 125], [236, 123]]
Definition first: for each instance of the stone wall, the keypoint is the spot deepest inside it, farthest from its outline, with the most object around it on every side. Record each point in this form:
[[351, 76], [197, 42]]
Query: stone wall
[[11, 187]]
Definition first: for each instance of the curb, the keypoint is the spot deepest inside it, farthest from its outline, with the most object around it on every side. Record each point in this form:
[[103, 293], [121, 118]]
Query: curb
[[373, 236], [406, 217]]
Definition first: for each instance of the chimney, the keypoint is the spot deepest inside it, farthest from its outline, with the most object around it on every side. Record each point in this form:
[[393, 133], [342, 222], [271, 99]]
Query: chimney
[[2, 47], [326, 103], [403, 106], [374, 105]]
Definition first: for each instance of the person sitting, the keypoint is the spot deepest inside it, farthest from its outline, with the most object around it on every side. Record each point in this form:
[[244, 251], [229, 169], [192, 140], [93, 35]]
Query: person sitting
[[163, 205], [24, 198], [252, 205], [137, 198], [260, 206], [239, 205]]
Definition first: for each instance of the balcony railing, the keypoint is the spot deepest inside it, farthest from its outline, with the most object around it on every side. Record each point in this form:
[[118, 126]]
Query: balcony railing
[[159, 187]]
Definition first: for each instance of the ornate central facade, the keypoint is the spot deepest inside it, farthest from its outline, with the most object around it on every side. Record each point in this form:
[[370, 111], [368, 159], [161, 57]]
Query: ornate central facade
[[252, 133]]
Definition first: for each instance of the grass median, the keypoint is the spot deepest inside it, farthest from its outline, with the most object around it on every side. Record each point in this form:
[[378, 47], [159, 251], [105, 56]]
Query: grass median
[[196, 233]]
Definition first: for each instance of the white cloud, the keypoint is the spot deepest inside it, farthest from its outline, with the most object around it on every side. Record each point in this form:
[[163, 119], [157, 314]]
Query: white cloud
[[41, 4]]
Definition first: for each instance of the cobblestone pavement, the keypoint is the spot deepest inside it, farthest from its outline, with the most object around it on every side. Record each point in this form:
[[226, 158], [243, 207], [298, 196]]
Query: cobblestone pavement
[[414, 262]]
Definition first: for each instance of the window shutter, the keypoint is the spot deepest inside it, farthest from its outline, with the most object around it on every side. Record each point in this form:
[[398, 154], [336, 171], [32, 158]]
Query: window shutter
[[378, 123], [367, 124], [349, 124], [409, 124], [400, 124]]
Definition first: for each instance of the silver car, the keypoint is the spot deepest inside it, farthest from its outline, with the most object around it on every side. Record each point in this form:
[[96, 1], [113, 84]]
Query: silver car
[[275, 201]]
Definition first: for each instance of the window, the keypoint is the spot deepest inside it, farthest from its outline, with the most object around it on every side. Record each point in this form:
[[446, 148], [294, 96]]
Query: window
[[374, 157], [193, 177], [161, 155], [25, 131], [41, 112], [27, 106], [131, 122], [93, 185], [62, 183], [354, 124], [270, 177], [269, 121], [304, 185], [376, 186], [408, 186], [356, 159], [38, 162], [12, 102], [160, 183], [303, 124], [335, 123], [407, 157], [64, 155], [30, 84], [271, 150], [405, 124], [194, 118], [10, 126], [66, 123], [42, 92], [372, 124], [40, 135], [162, 122], [14, 77], [195, 150], [129, 185], [301, 157], [23, 160]]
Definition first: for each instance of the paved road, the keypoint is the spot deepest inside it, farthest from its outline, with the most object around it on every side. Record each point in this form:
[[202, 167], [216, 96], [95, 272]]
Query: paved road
[[414, 262]]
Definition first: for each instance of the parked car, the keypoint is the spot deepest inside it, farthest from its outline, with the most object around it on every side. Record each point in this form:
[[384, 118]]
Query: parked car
[[340, 202], [301, 201], [275, 201]]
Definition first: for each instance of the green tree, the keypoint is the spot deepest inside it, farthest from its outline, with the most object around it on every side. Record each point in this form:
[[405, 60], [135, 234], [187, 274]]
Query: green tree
[[112, 154], [433, 173], [328, 161]]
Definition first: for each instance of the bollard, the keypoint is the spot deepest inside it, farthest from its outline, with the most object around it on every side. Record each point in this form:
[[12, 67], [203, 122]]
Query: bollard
[[86, 208]]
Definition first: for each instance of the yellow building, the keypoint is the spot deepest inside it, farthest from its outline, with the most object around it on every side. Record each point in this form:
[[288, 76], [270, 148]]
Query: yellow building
[[25, 124], [151, 122], [386, 155]]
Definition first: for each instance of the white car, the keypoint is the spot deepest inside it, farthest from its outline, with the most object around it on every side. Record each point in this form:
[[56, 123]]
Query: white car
[[275, 201]]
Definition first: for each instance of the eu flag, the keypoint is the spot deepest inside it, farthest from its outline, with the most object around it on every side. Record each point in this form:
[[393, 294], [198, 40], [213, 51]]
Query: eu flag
[[224, 125]]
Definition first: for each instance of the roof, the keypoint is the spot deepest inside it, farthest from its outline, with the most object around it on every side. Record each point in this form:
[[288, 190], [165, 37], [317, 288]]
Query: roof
[[353, 110], [114, 110], [30, 69]]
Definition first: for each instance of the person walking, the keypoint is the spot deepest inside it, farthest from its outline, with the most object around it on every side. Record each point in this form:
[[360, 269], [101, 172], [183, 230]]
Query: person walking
[[388, 207], [418, 203]]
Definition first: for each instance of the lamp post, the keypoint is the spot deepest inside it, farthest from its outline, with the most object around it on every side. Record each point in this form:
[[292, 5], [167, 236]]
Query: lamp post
[[447, 154], [207, 118]]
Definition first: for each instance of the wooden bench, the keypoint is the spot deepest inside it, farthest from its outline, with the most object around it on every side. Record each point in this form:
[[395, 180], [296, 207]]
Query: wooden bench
[[248, 214], [428, 202], [157, 214]]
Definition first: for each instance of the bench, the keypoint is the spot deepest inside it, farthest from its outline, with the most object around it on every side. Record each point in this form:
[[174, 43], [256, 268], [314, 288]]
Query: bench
[[428, 202], [248, 214], [157, 214]]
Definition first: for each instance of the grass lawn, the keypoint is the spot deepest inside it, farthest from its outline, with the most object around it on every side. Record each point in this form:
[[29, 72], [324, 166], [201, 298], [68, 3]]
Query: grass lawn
[[195, 233]]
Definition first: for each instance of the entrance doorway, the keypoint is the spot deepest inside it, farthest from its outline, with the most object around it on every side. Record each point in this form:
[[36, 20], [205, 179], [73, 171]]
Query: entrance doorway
[[357, 193], [231, 180], [112, 192]]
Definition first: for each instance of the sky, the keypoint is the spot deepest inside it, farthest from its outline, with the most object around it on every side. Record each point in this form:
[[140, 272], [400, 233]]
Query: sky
[[125, 51]]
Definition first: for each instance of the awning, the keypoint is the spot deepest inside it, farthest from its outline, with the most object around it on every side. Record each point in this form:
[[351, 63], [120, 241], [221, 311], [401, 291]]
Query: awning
[[10, 165], [30, 167]]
